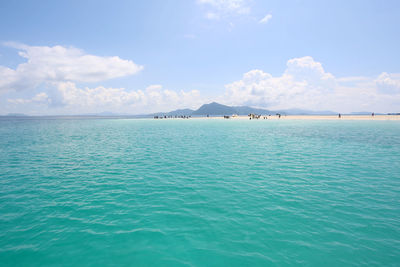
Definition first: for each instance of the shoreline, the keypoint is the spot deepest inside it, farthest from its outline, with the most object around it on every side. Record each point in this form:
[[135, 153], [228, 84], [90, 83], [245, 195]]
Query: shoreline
[[309, 117], [221, 117]]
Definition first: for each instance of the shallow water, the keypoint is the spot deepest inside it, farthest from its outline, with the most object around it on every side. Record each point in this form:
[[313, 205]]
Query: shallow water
[[125, 192]]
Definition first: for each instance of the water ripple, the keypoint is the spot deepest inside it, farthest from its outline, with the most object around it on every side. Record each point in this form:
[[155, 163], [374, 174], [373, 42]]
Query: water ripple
[[194, 193]]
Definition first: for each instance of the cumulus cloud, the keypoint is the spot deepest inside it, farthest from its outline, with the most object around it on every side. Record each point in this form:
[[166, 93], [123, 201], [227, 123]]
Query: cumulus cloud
[[389, 83], [265, 19], [305, 84], [60, 69], [60, 64], [302, 78], [154, 98], [41, 98]]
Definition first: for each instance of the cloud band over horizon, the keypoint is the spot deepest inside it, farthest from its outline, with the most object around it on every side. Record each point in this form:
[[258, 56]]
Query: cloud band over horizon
[[52, 75]]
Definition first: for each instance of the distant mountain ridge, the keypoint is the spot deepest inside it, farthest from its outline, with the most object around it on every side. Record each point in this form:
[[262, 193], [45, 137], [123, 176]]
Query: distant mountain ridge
[[212, 109], [216, 109], [16, 115], [178, 112], [244, 110]]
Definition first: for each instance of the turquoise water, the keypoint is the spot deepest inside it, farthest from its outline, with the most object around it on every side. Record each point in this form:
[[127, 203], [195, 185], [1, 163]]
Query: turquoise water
[[121, 192]]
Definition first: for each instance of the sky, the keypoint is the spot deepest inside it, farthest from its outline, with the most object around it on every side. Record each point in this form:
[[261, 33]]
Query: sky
[[137, 57]]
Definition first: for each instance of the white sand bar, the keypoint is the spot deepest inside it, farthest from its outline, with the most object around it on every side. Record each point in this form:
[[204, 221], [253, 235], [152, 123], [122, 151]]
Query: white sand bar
[[311, 117]]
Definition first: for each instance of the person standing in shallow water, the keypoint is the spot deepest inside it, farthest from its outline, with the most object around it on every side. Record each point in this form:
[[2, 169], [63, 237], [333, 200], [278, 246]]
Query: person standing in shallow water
[[340, 115]]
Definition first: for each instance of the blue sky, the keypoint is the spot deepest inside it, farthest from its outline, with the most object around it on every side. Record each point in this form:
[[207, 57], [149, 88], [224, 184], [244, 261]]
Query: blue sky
[[69, 57]]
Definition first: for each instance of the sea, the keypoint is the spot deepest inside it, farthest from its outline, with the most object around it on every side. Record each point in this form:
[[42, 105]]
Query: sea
[[199, 192]]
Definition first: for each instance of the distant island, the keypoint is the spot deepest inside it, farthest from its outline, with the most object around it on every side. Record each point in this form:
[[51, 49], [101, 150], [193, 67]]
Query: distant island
[[16, 115], [216, 109], [211, 109]]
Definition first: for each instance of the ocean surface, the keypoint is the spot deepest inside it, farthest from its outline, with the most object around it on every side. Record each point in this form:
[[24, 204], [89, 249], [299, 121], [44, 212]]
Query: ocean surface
[[138, 192]]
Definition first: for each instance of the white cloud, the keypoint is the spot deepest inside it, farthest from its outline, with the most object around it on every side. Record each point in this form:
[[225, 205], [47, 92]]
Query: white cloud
[[388, 83], [239, 6], [41, 98], [58, 69], [305, 84], [60, 64], [77, 100], [352, 79], [265, 19], [212, 15], [220, 8], [305, 69], [153, 98]]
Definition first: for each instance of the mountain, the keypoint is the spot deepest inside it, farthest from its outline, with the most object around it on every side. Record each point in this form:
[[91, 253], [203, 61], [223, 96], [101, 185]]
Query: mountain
[[215, 109], [363, 113], [219, 109], [16, 115], [244, 110], [178, 112], [181, 112]]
